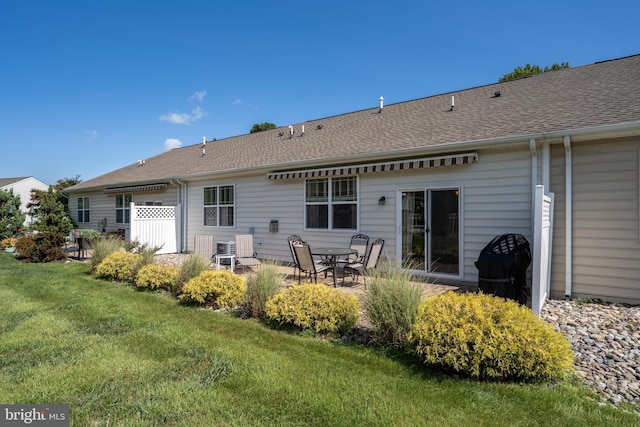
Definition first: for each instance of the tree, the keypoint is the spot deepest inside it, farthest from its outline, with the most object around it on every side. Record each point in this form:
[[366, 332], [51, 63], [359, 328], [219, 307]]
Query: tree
[[11, 217], [52, 224], [262, 126], [531, 70]]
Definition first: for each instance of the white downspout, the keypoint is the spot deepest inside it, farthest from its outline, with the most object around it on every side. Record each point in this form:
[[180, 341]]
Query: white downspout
[[534, 180], [183, 202], [568, 218]]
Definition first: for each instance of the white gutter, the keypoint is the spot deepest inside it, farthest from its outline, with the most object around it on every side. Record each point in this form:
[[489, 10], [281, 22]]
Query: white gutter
[[568, 218]]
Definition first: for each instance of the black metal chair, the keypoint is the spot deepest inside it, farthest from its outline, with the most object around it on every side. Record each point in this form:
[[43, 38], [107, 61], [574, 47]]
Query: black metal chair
[[306, 263], [359, 242], [296, 267], [361, 268]]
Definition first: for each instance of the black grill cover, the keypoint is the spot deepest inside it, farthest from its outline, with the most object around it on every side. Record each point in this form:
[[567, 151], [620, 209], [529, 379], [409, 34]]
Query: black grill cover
[[502, 267]]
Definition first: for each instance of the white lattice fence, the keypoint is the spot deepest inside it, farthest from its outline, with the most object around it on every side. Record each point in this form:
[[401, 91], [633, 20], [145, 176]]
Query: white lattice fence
[[156, 226]]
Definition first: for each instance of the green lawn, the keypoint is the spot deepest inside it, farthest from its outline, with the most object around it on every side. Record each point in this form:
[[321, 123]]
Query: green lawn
[[120, 357]]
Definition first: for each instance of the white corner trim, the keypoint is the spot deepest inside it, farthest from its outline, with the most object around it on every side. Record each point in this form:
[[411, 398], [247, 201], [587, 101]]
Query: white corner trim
[[568, 218]]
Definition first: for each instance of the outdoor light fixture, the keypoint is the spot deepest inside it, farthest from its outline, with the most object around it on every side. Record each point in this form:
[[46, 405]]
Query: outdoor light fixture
[[10, 210], [382, 200]]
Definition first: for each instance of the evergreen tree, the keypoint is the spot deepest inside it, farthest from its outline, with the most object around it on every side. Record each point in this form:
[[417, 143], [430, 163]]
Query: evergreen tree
[[11, 217], [531, 70]]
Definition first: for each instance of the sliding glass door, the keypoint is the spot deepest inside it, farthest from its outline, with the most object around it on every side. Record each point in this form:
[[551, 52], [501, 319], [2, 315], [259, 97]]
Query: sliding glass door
[[429, 237]]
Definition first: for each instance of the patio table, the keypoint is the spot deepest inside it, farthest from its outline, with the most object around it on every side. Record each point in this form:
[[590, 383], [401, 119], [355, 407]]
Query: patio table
[[330, 256]]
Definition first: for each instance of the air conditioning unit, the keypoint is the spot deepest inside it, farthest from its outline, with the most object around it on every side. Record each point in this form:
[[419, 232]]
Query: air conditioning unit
[[226, 248]]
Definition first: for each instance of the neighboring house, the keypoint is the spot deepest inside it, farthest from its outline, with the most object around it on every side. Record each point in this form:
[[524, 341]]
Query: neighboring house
[[22, 187], [436, 183]]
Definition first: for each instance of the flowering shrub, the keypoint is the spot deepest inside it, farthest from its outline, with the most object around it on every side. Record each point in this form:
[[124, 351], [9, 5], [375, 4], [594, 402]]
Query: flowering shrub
[[315, 307], [9, 242], [216, 288], [488, 337], [156, 276], [118, 266]]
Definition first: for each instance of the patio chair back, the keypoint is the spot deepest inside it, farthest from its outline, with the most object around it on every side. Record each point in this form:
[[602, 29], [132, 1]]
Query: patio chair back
[[374, 254], [360, 243], [305, 260], [290, 240], [245, 254]]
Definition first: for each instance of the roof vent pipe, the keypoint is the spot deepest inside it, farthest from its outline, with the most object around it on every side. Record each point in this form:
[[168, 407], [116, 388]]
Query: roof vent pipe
[[290, 131], [381, 104], [204, 141], [453, 103]]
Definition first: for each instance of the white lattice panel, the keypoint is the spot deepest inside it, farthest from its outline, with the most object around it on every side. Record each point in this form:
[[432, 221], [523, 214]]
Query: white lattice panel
[[155, 212]]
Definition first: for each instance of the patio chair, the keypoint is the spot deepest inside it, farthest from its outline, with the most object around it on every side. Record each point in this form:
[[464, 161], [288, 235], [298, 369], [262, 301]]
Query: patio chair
[[306, 263], [357, 269], [359, 242], [290, 240], [245, 255]]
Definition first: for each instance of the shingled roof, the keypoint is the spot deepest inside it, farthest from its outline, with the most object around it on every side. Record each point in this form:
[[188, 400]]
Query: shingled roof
[[598, 95]]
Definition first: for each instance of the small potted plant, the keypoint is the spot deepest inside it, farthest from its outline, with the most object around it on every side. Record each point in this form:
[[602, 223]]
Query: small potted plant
[[9, 244]]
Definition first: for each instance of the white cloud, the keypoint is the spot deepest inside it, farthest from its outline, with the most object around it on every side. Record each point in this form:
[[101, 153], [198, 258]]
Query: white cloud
[[198, 96], [91, 135], [183, 118], [171, 143], [237, 102]]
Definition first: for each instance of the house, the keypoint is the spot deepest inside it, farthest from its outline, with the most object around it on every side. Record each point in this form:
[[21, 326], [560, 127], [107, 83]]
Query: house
[[22, 187], [437, 178]]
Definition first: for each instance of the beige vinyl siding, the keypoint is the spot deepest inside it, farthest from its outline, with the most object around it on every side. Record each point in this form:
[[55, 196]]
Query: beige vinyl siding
[[606, 242]]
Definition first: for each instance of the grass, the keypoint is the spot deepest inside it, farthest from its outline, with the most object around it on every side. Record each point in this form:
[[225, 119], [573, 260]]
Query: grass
[[121, 357]]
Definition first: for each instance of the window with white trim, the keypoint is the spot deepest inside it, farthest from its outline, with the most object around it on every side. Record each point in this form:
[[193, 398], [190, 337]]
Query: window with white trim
[[153, 203], [123, 210], [331, 203], [219, 206], [84, 211]]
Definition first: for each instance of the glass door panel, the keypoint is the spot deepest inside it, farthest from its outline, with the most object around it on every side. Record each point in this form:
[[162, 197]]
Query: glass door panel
[[413, 230], [444, 240]]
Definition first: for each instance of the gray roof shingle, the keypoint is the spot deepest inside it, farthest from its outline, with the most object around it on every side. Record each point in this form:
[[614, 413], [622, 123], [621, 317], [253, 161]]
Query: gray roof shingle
[[604, 93]]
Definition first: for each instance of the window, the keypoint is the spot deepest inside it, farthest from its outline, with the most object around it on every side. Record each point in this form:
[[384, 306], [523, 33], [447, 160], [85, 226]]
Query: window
[[153, 203], [83, 209], [123, 211], [219, 206], [331, 203]]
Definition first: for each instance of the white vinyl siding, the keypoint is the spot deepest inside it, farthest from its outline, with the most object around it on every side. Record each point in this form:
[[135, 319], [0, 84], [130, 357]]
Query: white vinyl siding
[[495, 199]]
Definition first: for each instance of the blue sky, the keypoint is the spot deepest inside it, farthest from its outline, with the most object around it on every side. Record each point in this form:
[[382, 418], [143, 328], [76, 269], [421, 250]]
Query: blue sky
[[91, 86]]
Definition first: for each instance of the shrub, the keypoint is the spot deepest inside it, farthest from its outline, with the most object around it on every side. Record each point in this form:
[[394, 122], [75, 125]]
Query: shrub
[[9, 242], [215, 288], [102, 248], [391, 304], [42, 247], [25, 246], [156, 276], [315, 307], [118, 266], [261, 286], [488, 337], [192, 267], [147, 256]]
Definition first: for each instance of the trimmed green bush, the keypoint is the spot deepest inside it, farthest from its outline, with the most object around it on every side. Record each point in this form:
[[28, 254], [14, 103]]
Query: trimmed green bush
[[488, 337], [118, 266], [391, 304], [157, 276], [315, 307], [215, 288], [261, 286], [192, 267]]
